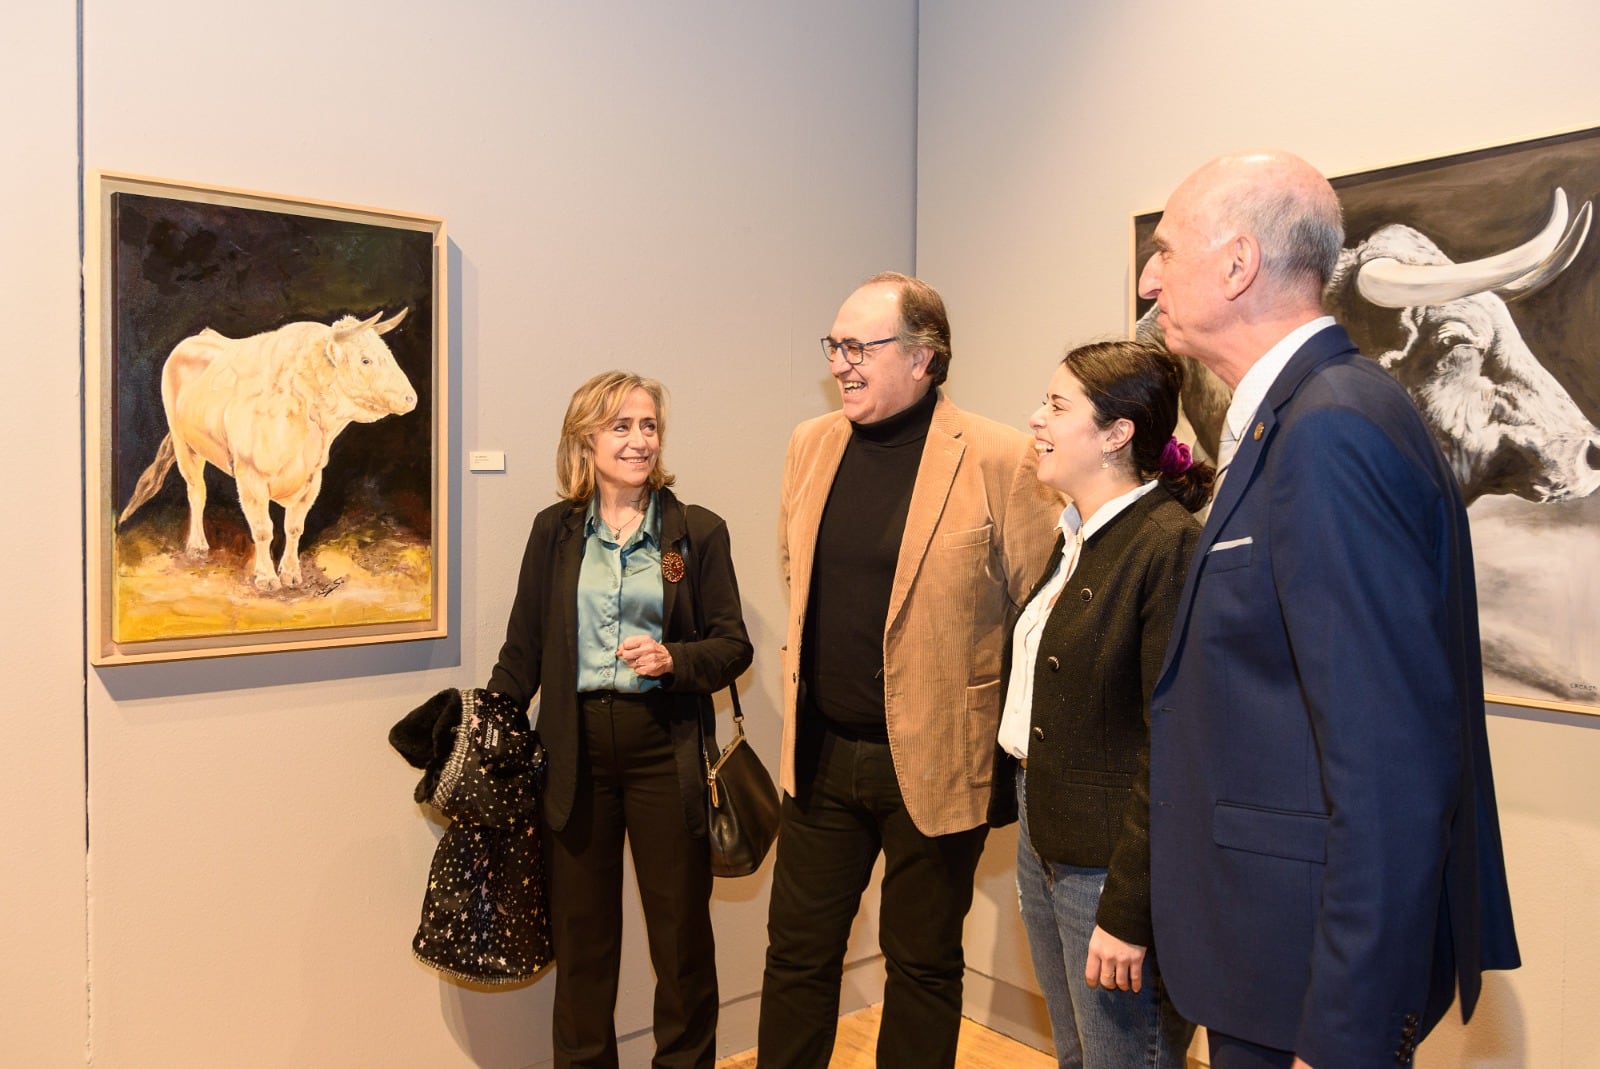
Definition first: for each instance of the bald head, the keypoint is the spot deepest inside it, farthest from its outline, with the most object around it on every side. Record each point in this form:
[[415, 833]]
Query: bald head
[[1243, 251], [1285, 203]]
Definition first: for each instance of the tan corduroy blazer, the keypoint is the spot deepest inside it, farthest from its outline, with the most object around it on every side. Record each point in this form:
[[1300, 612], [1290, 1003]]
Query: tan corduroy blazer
[[979, 530]]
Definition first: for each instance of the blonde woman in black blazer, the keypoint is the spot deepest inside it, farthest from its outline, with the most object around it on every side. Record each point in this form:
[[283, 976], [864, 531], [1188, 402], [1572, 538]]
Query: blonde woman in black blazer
[[624, 675], [1073, 754]]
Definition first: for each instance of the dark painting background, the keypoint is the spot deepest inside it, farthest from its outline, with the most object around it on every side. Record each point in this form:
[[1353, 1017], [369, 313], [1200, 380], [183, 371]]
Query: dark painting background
[[180, 266]]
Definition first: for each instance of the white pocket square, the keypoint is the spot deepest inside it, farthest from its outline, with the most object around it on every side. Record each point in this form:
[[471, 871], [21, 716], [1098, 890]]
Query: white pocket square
[[1232, 543]]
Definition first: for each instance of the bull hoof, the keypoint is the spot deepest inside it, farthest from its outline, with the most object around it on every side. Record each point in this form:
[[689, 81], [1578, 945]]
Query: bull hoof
[[197, 553], [265, 582]]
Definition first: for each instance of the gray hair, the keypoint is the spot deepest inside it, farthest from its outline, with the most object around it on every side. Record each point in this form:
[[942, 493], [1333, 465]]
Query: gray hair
[[1300, 230], [923, 321]]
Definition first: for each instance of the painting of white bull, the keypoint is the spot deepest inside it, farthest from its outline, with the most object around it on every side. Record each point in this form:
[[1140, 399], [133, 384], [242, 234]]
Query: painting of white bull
[[266, 410], [1475, 282], [268, 434]]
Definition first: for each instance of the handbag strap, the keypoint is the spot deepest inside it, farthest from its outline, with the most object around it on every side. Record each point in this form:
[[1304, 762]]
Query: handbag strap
[[692, 567]]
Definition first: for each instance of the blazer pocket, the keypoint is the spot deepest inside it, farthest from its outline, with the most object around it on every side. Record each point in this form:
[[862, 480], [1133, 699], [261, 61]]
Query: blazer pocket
[[1226, 556], [981, 719], [976, 536], [1283, 833], [1094, 777]]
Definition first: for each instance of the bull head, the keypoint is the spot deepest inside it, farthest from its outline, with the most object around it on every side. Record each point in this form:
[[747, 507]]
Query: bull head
[[370, 384], [1504, 422]]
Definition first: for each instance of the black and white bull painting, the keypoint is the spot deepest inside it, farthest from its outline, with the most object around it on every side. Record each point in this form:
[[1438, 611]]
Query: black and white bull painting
[[1475, 281]]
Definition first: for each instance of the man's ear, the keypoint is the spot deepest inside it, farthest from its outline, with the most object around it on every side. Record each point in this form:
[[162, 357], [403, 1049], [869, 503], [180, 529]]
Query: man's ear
[[921, 360], [1241, 266]]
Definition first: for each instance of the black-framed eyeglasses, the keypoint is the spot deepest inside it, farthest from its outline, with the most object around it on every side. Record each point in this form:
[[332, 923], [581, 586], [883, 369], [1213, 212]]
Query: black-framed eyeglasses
[[853, 351]]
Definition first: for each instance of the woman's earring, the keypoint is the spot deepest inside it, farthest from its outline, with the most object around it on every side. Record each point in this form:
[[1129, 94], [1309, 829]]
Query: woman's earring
[[1104, 461]]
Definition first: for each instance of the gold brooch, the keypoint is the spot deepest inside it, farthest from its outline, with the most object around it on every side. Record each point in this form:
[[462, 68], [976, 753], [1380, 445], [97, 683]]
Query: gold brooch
[[671, 566]]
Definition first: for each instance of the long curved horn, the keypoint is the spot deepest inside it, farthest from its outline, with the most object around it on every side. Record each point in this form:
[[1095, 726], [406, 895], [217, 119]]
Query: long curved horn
[[389, 324], [1388, 283], [345, 331], [1555, 263]]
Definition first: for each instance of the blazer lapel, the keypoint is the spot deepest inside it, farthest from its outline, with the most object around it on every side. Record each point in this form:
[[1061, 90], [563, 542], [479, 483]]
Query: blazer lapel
[[1322, 346], [936, 473], [809, 503], [569, 559], [674, 532]]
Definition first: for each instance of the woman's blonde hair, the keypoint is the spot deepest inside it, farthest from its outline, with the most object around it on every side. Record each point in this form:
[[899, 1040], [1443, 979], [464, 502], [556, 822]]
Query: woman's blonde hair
[[595, 404]]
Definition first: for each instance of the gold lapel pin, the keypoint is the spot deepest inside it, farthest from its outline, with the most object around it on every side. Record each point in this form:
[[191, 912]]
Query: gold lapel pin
[[1259, 428]]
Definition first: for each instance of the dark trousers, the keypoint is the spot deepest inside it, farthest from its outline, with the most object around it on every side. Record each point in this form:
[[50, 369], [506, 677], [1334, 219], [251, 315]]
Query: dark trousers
[[1231, 1052], [628, 786], [850, 809]]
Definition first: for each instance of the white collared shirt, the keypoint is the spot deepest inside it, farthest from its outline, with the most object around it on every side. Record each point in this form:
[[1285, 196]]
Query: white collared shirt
[[1017, 716], [1252, 389]]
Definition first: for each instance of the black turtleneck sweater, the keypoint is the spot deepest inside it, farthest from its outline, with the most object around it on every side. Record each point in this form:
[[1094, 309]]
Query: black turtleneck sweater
[[858, 546]]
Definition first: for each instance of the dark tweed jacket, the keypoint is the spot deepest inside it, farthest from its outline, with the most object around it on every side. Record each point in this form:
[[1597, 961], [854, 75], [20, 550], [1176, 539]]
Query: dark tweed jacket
[[1089, 754], [540, 655]]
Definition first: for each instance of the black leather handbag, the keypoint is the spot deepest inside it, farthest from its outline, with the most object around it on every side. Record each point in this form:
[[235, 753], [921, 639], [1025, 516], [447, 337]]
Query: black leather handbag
[[741, 804], [741, 800]]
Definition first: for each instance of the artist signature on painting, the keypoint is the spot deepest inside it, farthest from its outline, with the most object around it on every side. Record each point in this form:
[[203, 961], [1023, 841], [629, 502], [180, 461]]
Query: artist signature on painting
[[324, 589]]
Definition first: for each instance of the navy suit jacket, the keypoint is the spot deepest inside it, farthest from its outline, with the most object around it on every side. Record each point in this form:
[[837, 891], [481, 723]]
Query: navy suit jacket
[[1325, 851]]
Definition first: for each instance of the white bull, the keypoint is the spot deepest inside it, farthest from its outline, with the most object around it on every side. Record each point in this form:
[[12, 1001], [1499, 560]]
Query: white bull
[[266, 409]]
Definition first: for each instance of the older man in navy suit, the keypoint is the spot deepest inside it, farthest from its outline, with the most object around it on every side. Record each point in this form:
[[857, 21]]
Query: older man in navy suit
[[1326, 865]]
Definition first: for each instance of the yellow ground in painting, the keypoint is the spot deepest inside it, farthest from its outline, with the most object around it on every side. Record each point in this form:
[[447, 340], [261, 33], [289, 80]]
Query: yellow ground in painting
[[351, 577]]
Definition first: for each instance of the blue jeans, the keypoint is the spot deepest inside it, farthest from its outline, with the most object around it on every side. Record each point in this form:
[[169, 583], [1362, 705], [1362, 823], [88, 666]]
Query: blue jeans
[[1094, 1028]]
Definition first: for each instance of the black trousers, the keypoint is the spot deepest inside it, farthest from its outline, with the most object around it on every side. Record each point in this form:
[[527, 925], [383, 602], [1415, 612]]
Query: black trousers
[[850, 808], [628, 787]]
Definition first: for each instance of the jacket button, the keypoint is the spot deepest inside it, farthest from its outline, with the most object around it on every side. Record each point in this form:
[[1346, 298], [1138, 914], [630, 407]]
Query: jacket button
[[1038, 732], [1053, 662], [1086, 594], [1413, 1020]]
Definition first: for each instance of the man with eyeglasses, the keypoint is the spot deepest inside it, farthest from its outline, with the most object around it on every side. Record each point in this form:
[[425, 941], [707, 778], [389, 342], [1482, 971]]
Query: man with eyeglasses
[[910, 532]]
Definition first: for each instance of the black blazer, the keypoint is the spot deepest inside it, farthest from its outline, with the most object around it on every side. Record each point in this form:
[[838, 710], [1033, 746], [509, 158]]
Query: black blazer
[[1099, 657], [540, 655]]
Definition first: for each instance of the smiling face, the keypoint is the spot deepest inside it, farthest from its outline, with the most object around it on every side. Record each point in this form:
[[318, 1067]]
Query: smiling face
[[1070, 444], [890, 379], [625, 448]]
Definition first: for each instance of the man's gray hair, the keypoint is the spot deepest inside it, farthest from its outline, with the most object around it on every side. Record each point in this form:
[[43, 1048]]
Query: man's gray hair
[[1300, 232], [923, 321]]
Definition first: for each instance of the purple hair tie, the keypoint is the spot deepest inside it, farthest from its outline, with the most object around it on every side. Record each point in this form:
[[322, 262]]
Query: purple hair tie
[[1175, 458]]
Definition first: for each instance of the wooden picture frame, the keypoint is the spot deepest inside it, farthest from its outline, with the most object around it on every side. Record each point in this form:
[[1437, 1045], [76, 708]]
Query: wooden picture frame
[[1532, 476], [289, 358]]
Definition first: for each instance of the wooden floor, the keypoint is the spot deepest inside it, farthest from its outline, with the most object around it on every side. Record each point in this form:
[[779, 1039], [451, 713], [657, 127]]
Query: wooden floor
[[978, 1048]]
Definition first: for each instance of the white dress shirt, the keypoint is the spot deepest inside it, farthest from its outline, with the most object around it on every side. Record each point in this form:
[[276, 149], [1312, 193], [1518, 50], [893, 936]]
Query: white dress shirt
[[1252, 389]]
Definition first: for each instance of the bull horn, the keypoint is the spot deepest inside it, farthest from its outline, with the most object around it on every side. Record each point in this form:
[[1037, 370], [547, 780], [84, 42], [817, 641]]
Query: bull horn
[[389, 324], [350, 328], [1555, 263], [1388, 283]]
